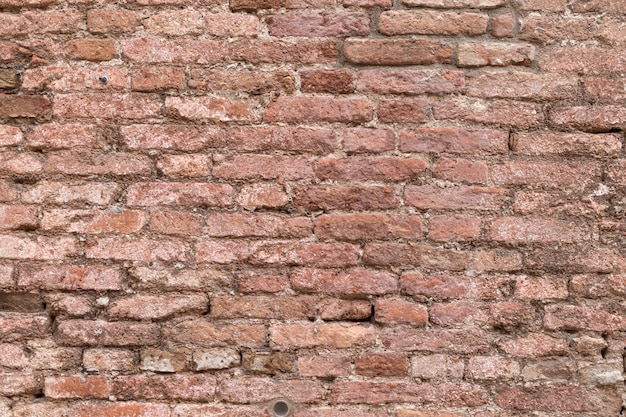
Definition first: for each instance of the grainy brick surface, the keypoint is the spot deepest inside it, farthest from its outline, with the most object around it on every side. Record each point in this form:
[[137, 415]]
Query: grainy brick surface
[[369, 208]]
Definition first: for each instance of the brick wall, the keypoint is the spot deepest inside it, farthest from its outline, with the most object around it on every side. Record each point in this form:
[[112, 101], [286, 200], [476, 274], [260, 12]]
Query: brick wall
[[366, 208]]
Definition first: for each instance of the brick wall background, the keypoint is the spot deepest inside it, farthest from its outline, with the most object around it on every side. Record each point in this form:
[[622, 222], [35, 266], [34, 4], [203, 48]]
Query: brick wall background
[[370, 209]]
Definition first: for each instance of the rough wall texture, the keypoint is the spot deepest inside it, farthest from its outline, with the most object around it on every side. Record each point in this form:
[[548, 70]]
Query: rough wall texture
[[369, 209]]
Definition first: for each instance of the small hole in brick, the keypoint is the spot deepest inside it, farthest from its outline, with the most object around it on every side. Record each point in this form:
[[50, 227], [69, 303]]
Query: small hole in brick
[[280, 408], [103, 79]]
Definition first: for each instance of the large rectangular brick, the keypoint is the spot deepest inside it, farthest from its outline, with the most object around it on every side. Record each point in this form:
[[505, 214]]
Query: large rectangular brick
[[396, 51], [426, 22]]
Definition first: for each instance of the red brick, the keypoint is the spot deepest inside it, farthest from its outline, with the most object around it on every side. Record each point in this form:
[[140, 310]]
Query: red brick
[[185, 166], [367, 227], [384, 4], [324, 365], [277, 4], [23, 327], [413, 82], [319, 109], [589, 119], [367, 392], [183, 51], [173, 279], [262, 225], [541, 288], [370, 169], [261, 282], [49, 21], [339, 309], [278, 51], [256, 389], [18, 217], [533, 345], [263, 307], [305, 253], [327, 81], [202, 333], [492, 368], [107, 106], [37, 248], [582, 60], [498, 112], [154, 307], [574, 175], [461, 395], [460, 313], [23, 3], [6, 276], [179, 194], [140, 249], [171, 137], [25, 105], [14, 384], [71, 192], [567, 144], [495, 54], [398, 254], [251, 82], [10, 135], [43, 408], [327, 335], [271, 138], [390, 311], [350, 282], [615, 6], [396, 52], [82, 387], [503, 26], [199, 387], [511, 314], [222, 252], [87, 163], [200, 410], [472, 198], [404, 111], [112, 21], [319, 24], [448, 140], [262, 167], [184, 22], [71, 306], [474, 4], [535, 230], [541, 5], [14, 356], [63, 136], [364, 140], [70, 278], [7, 192], [382, 364], [456, 228], [158, 78], [426, 22], [172, 222], [444, 286], [460, 170], [91, 49], [96, 332], [551, 29], [435, 340], [553, 398], [262, 195], [523, 85], [227, 25], [112, 409]]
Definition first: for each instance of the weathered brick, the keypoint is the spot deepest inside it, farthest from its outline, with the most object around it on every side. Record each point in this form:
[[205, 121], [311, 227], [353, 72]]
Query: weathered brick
[[63, 136], [404, 111], [205, 334], [262, 167], [426, 22], [241, 225], [171, 137], [222, 251], [541, 288], [179, 194], [102, 333], [541, 5], [503, 26], [70, 278], [157, 78], [71, 192], [184, 22], [338, 309], [324, 365], [412, 82], [477, 4], [474, 198], [598, 316], [396, 52], [138, 249], [268, 362], [460, 170], [256, 389], [109, 409], [278, 51], [364, 140], [251, 82], [367, 226], [105, 106], [180, 279], [399, 254], [533, 345], [10, 135], [185, 166], [495, 54], [438, 140], [589, 118], [155, 307], [216, 109], [262, 195], [183, 51], [445, 286], [88, 163], [305, 253], [262, 307], [271, 138], [217, 358], [582, 60], [437, 366], [390, 311], [350, 282], [261, 282], [36, 248], [319, 24], [106, 360], [327, 81], [329, 335], [23, 327], [8, 79], [519, 114], [319, 109], [231, 24], [523, 85], [373, 169], [366, 392], [534, 230], [13, 384], [344, 197], [25, 105], [456, 228], [566, 144], [18, 217], [382, 364], [82, 386], [552, 29], [492, 368], [574, 175], [20, 164], [198, 387], [561, 398]]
